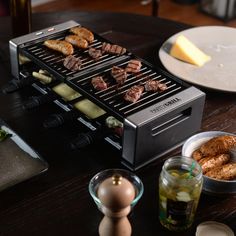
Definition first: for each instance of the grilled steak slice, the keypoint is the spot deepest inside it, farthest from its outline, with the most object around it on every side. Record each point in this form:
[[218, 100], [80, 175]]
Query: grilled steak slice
[[77, 41], [60, 46], [133, 66], [113, 49], [98, 83], [83, 33], [162, 87], [119, 74], [72, 63], [151, 85], [134, 93], [95, 53]]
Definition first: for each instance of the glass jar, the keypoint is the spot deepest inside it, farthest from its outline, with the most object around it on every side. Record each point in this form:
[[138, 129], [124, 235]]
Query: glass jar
[[180, 185]]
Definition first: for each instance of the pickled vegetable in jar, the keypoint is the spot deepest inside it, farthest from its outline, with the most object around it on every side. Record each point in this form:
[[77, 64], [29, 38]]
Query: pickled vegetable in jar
[[180, 185]]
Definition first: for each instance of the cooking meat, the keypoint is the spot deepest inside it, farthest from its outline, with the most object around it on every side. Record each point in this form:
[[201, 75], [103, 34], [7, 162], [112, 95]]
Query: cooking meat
[[83, 33], [162, 87], [133, 66], [208, 163], [98, 83], [154, 85], [218, 145], [134, 93], [95, 53], [113, 49], [60, 46], [119, 74], [77, 41], [225, 172], [72, 63]]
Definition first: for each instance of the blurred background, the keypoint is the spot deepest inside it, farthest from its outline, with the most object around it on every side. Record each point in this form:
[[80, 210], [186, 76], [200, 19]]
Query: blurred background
[[195, 12]]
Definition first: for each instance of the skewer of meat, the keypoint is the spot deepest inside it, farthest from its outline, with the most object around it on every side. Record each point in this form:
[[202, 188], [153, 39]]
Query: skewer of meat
[[113, 49], [72, 63], [133, 66], [98, 83], [60, 46], [119, 74], [77, 41], [134, 93], [83, 33]]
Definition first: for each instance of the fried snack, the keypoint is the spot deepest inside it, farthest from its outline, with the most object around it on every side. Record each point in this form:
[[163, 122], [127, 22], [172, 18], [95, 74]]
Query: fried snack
[[83, 33], [197, 155], [60, 46], [225, 172], [77, 41], [208, 163], [218, 145]]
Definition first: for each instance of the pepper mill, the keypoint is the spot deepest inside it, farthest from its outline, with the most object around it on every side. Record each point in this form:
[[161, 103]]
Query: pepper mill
[[116, 194]]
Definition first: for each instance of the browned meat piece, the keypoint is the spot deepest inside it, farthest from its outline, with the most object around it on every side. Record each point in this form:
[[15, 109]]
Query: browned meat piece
[[119, 74], [133, 66], [113, 49], [72, 63], [197, 155], [98, 83], [208, 163], [218, 145], [83, 33], [77, 41], [162, 87], [60, 46], [225, 172], [134, 93], [154, 85], [95, 53]]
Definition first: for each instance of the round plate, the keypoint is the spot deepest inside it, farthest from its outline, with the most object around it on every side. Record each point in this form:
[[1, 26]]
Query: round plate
[[213, 228], [218, 42]]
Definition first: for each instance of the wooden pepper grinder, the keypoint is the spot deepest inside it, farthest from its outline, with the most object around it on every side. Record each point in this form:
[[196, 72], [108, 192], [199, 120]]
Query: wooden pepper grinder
[[116, 194]]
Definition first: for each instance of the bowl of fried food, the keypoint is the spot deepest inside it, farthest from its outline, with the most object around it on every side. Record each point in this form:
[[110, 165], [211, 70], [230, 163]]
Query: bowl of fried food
[[215, 151]]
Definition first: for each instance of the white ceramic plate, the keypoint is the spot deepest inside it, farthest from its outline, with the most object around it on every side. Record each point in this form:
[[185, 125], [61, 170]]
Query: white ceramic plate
[[217, 41]]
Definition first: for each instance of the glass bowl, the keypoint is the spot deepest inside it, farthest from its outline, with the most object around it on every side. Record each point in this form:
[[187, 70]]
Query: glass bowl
[[101, 176]]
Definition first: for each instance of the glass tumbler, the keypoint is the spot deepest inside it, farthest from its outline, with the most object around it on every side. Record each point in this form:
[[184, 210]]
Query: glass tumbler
[[180, 185]]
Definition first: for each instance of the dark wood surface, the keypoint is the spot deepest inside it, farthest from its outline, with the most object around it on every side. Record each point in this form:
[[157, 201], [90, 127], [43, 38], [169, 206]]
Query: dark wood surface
[[58, 202]]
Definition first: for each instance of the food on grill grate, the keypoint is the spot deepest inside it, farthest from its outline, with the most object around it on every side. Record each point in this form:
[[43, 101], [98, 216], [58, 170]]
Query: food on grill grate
[[98, 83], [133, 66], [77, 41], [154, 86], [225, 172], [60, 46], [66, 92], [72, 63], [95, 53], [134, 93], [119, 74], [113, 49], [83, 33]]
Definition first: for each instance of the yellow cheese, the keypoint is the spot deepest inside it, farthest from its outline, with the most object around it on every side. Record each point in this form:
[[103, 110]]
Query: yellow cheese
[[185, 50]]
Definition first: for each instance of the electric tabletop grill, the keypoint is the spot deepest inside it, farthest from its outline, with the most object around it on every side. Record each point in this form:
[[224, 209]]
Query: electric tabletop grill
[[154, 125]]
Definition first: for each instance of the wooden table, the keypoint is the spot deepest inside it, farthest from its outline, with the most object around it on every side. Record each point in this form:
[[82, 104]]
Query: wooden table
[[58, 202]]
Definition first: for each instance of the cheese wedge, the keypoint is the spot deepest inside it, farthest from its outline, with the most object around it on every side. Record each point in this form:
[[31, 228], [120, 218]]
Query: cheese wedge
[[186, 51]]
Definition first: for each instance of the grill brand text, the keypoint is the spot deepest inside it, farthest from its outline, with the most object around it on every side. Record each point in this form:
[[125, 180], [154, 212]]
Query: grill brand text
[[166, 104]]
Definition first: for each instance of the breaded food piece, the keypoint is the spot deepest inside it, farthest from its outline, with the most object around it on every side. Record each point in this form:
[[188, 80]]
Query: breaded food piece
[[77, 41], [60, 46], [83, 33], [197, 155], [208, 163], [218, 145], [225, 172]]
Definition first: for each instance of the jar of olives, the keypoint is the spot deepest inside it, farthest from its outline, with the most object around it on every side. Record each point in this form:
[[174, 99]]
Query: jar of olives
[[180, 185]]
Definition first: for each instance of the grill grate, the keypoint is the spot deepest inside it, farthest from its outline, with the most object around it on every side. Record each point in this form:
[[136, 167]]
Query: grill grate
[[53, 61], [112, 97]]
